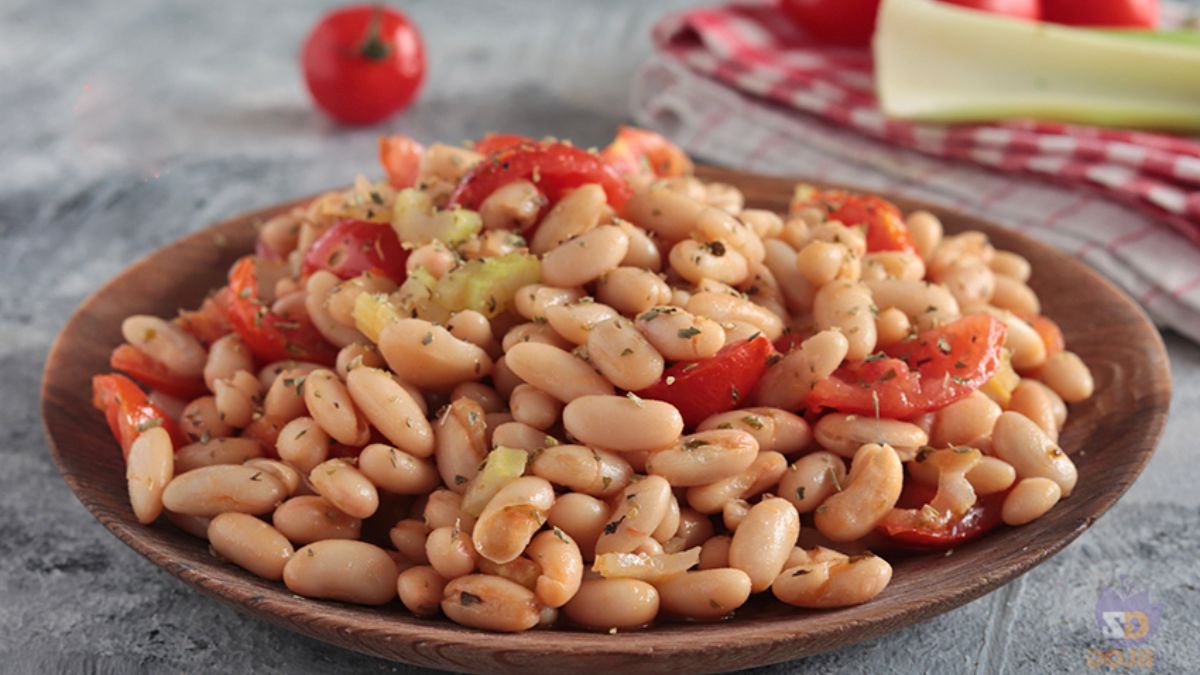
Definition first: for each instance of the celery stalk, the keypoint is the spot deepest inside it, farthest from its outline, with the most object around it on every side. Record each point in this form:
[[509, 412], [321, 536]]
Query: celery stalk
[[936, 61]]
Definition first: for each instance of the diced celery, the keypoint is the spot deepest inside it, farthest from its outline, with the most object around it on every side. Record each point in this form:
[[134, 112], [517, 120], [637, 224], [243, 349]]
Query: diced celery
[[418, 222], [487, 285], [645, 566], [936, 61], [372, 313], [501, 467], [1000, 387]]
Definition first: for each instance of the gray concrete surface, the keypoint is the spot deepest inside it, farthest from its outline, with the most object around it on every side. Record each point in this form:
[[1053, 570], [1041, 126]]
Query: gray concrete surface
[[127, 124]]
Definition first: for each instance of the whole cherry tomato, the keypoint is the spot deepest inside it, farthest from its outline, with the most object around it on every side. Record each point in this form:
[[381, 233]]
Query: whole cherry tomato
[[904, 526], [155, 375], [701, 389], [841, 22], [129, 412], [1021, 9], [926, 373], [363, 63], [1112, 13], [270, 336], [351, 247]]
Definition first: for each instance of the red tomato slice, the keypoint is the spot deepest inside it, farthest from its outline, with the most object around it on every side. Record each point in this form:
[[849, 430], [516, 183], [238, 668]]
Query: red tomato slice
[[208, 323], [1021, 9], [701, 389], [401, 160], [492, 143], [271, 337], [1049, 331], [927, 373], [554, 167], [903, 527], [636, 151], [155, 375], [351, 247], [1114, 13], [886, 230], [129, 412]]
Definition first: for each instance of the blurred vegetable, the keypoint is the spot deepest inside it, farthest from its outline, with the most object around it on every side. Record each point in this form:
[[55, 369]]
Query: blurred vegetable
[[487, 285], [936, 62], [636, 151], [363, 63], [842, 22], [372, 313], [1022, 9], [401, 159], [1115, 13], [418, 222]]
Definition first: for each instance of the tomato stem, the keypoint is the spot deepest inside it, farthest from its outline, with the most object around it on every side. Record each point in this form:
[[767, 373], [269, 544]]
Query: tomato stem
[[373, 47]]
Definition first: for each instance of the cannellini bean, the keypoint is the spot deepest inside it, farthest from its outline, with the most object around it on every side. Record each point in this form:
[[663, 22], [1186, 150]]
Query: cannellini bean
[[488, 398], [318, 289], [964, 422], [718, 225], [533, 300], [555, 371], [893, 265], [1031, 499], [623, 355], [310, 518], [870, 492], [605, 604], [216, 451], [420, 589], [958, 249], [471, 326], [212, 490], [1021, 443], [1032, 400], [286, 473], [775, 429], [693, 530], [561, 567], [408, 536], [705, 595], [166, 343], [991, 475], [397, 471], [694, 260], [762, 222], [512, 517], [582, 517], [285, 398], [443, 508], [250, 544], [1011, 265], [429, 357], [1069, 377], [272, 371], [522, 437], [540, 332], [344, 486], [833, 583], [762, 475], [237, 398], [513, 206], [341, 298], [201, 419], [926, 305], [582, 469], [632, 290], [491, 603], [460, 443], [926, 231], [575, 321], [341, 569], [781, 260], [764, 540], [658, 209], [891, 326], [845, 434], [1028, 350], [725, 308], [1015, 296], [1058, 407], [227, 355], [391, 409], [704, 457], [578, 212], [643, 252], [303, 444], [534, 407], [714, 554], [638, 513], [329, 403], [679, 335], [812, 479], [622, 423], [450, 552], [822, 261], [787, 383], [435, 258], [585, 258], [149, 468], [733, 512], [846, 306]]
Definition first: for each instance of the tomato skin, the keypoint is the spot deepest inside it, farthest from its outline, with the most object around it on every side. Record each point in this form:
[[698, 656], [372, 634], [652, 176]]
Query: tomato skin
[[401, 160], [491, 143], [788, 341], [363, 63], [210, 321], [886, 230], [701, 389], [270, 336], [1021, 9], [839, 22], [155, 375], [350, 247], [981, 518], [128, 411], [919, 375], [1111, 13], [554, 167], [637, 151]]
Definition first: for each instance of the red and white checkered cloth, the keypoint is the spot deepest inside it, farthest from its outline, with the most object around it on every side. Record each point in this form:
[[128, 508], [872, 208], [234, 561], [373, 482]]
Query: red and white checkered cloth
[[740, 85]]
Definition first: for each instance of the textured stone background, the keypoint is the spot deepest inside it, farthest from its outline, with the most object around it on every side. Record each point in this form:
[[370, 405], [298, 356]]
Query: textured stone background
[[127, 124]]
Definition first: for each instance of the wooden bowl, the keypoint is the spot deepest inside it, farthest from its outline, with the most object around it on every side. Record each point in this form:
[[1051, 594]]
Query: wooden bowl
[[1111, 437]]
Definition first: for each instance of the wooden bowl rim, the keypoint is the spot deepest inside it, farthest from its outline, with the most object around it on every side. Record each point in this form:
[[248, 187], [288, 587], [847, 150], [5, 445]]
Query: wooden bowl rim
[[773, 636]]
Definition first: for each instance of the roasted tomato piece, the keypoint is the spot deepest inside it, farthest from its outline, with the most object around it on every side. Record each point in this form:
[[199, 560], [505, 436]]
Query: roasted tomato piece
[[271, 337], [351, 247], [128, 411]]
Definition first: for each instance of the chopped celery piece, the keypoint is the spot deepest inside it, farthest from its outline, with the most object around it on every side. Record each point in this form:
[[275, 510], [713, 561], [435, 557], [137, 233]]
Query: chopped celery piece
[[487, 285], [372, 313], [501, 467], [645, 566], [417, 222], [936, 61], [1000, 387]]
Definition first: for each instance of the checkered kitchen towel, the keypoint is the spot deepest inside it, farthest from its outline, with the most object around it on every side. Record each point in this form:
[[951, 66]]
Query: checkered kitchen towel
[[741, 86]]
